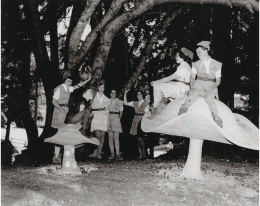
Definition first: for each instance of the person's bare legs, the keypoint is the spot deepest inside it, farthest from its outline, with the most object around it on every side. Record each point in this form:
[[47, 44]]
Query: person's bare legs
[[117, 144], [189, 101], [111, 144], [157, 93], [140, 150], [57, 155], [96, 151], [210, 100], [101, 137], [142, 145], [84, 116]]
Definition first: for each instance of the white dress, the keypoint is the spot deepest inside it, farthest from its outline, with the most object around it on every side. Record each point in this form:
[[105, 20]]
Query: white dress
[[100, 120], [177, 89]]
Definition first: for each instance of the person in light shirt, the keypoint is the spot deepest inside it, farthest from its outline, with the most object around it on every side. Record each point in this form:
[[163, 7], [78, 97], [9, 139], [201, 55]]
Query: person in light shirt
[[100, 123], [173, 86], [60, 101], [115, 113], [141, 107], [208, 72]]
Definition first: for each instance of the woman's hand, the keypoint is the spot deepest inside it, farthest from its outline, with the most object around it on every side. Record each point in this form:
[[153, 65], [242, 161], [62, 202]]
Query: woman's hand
[[127, 90], [89, 77], [209, 89], [108, 127]]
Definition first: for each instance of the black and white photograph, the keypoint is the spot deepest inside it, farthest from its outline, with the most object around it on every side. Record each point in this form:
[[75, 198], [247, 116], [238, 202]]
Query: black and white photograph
[[129, 102]]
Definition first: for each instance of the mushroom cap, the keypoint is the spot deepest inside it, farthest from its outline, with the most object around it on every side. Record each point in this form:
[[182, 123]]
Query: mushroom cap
[[70, 135], [198, 123]]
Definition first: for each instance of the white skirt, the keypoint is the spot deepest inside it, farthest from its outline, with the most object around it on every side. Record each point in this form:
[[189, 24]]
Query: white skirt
[[99, 121], [174, 89]]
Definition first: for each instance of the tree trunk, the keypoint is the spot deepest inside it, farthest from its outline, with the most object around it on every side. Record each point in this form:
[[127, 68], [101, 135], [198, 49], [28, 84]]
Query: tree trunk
[[48, 75], [54, 34], [78, 8], [90, 41], [113, 27], [78, 31], [149, 46], [24, 105]]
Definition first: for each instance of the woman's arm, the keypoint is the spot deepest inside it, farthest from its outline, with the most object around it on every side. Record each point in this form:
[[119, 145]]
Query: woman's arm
[[125, 99], [167, 79], [120, 115], [56, 104], [82, 83]]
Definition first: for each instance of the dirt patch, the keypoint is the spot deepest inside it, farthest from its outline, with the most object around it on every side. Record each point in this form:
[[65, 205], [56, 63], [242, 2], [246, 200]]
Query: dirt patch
[[146, 183]]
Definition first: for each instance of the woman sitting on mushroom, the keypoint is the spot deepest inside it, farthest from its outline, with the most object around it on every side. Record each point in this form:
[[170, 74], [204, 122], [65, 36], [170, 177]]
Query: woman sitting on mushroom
[[175, 85]]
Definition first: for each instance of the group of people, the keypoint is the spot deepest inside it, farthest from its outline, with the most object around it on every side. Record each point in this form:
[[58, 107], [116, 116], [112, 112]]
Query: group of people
[[104, 114]]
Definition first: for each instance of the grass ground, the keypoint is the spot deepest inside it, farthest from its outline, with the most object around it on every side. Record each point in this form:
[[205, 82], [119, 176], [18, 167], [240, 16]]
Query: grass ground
[[133, 183]]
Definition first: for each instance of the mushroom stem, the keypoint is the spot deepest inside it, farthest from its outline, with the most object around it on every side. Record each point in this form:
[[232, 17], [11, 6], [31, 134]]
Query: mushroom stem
[[193, 163], [69, 164]]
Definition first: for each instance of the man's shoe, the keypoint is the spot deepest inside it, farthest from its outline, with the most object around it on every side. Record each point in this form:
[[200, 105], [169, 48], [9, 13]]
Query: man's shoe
[[157, 110], [218, 120], [57, 159], [183, 110]]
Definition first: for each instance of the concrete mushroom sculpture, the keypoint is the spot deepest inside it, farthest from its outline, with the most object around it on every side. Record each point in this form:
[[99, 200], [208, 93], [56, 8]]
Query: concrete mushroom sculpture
[[69, 136], [198, 125]]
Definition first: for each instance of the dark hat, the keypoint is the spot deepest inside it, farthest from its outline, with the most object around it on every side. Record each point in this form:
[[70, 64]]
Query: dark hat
[[187, 52], [204, 44]]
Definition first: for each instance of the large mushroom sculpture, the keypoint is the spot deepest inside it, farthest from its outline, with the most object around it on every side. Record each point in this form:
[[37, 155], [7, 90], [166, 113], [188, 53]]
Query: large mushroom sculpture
[[69, 136], [198, 125]]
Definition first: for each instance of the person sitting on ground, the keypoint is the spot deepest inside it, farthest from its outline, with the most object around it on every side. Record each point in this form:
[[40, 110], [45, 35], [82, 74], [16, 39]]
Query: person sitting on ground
[[140, 107], [115, 113], [175, 85], [60, 101], [208, 72]]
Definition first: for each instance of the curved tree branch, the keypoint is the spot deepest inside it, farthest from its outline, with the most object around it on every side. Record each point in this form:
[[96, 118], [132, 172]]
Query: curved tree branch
[[149, 46], [90, 41], [79, 29], [113, 27]]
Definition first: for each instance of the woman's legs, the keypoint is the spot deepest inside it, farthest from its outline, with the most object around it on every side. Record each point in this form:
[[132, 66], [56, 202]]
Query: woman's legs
[[101, 138], [117, 144], [157, 93], [96, 151], [84, 116], [111, 144], [189, 101], [210, 100], [141, 148]]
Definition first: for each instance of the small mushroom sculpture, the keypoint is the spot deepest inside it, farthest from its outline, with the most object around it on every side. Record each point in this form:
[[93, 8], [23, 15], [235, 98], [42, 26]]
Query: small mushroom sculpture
[[198, 125], [69, 136]]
